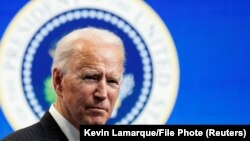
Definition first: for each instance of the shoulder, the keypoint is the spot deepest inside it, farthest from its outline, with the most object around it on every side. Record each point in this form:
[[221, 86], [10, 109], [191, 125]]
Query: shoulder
[[31, 133]]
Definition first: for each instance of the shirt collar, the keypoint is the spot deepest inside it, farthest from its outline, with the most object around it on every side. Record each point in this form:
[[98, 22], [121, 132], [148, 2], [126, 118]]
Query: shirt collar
[[68, 129]]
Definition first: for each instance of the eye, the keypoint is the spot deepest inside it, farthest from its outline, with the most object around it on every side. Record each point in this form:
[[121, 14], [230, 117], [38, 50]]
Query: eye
[[90, 77], [112, 82]]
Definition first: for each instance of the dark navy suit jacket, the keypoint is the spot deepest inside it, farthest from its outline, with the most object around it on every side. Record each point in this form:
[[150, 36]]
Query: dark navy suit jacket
[[45, 130]]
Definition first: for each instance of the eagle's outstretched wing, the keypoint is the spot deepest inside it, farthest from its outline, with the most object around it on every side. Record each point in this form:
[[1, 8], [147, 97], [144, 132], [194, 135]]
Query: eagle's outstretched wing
[[126, 89]]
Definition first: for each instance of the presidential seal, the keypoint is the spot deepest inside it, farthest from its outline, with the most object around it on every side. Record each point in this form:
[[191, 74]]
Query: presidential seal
[[151, 78]]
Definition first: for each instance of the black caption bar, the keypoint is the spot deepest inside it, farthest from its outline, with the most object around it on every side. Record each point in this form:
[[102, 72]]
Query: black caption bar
[[150, 132]]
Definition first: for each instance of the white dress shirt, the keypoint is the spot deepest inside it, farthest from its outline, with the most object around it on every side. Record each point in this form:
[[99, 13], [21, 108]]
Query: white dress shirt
[[68, 129]]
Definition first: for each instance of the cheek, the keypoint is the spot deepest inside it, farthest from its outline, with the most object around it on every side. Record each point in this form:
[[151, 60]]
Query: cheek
[[113, 95], [79, 93], [74, 92], [76, 100]]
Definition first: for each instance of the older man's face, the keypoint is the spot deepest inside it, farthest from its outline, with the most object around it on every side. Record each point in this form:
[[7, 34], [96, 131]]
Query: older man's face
[[91, 85]]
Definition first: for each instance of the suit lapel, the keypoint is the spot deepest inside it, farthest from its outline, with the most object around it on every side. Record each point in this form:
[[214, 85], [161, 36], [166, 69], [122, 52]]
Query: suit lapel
[[51, 129]]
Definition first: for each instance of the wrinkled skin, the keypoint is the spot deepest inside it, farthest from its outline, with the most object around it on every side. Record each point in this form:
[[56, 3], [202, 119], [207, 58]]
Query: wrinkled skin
[[87, 92]]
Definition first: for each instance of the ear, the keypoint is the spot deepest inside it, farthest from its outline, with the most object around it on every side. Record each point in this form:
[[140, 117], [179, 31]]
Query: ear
[[57, 81]]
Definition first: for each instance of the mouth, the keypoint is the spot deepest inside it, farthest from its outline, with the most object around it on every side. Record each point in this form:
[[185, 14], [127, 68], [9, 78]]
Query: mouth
[[97, 110]]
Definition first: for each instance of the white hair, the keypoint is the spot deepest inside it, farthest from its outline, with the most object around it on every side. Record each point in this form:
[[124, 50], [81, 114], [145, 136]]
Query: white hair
[[66, 45]]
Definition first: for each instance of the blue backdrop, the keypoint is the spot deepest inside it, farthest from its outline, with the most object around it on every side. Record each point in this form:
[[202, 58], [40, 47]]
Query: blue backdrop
[[213, 45]]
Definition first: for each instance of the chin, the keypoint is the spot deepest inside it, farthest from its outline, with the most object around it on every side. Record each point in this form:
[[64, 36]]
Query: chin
[[94, 121], [98, 122]]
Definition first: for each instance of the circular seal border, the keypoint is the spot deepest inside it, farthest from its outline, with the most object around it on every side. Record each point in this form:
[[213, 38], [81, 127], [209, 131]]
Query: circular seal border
[[160, 45], [92, 14]]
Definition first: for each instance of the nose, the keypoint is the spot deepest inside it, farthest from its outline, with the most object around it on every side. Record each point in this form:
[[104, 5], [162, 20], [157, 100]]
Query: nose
[[101, 90]]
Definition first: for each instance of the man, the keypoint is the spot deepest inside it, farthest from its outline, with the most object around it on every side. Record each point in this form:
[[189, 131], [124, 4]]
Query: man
[[87, 73]]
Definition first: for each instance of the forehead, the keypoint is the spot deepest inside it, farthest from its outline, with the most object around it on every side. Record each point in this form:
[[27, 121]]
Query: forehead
[[95, 55]]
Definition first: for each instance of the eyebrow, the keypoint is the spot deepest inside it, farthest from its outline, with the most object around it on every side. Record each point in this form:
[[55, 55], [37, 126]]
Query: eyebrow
[[94, 72]]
